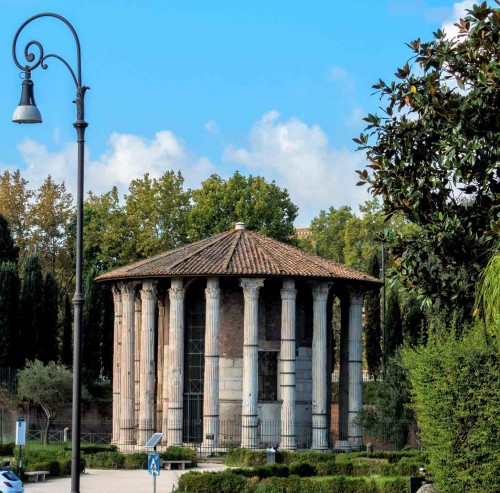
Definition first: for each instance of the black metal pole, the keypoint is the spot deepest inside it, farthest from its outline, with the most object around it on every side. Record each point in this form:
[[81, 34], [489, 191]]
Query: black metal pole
[[383, 307], [78, 299]]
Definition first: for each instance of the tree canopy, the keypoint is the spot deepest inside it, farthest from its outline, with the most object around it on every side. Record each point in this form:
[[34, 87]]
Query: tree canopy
[[434, 157]]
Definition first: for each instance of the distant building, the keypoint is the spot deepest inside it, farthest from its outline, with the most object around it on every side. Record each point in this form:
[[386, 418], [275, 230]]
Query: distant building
[[303, 233], [229, 341]]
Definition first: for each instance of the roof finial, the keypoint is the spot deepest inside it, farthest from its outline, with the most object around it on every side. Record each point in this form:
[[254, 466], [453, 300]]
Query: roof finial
[[239, 226]]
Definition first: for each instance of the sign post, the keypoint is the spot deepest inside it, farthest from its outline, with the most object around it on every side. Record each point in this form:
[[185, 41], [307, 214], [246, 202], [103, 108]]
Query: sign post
[[20, 440], [154, 461]]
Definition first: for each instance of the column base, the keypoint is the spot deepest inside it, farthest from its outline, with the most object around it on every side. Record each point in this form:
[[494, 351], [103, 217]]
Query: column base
[[343, 446]]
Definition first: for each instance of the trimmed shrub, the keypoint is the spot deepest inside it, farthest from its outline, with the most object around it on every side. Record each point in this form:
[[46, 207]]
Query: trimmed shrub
[[180, 453], [138, 460], [212, 482], [106, 460], [7, 449], [396, 486], [88, 448], [303, 469]]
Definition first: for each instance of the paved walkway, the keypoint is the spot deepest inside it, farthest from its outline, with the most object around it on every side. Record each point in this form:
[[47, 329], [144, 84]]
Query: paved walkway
[[117, 481]]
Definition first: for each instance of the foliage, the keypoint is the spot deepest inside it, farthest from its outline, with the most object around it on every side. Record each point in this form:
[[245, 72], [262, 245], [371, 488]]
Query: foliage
[[15, 199], [372, 325], [390, 418], [156, 212], [434, 158], [328, 232], [488, 289], [98, 322], [48, 386], [9, 252], [263, 207], [393, 324], [32, 308], [9, 316], [180, 453], [47, 331], [413, 321], [210, 482], [67, 333], [456, 396]]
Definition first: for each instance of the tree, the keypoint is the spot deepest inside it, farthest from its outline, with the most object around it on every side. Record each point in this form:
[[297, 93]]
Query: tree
[[434, 157], [48, 349], [15, 200], [413, 321], [373, 332], [48, 386], [390, 418], [50, 215], [32, 309], [328, 232], [10, 343], [488, 289], [455, 390], [263, 207], [393, 324], [67, 334], [96, 345], [9, 252], [156, 214]]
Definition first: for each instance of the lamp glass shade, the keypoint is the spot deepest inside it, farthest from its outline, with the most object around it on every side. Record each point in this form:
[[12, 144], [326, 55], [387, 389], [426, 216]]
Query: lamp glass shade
[[27, 112]]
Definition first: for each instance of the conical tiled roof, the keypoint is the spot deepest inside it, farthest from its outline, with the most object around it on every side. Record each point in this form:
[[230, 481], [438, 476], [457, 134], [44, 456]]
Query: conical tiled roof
[[238, 252]]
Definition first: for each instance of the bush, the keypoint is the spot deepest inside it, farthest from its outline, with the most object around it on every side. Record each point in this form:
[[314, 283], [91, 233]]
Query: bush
[[302, 469], [456, 391], [7, 449], [138, 460], [106, 460], [88, 448], [266, 471], [180, 453], [396, 486], [212, 482]]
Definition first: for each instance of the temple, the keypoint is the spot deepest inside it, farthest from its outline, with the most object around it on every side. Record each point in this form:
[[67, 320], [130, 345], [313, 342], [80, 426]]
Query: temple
[[230, 340]]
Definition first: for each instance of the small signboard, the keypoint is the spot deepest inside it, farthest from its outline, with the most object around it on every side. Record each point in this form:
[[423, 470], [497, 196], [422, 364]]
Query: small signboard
[[21, 431], [154, 464]]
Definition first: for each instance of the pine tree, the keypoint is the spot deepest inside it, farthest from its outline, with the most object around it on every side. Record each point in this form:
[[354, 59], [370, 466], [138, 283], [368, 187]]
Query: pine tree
[[67, 334], [47, 340], [10, 342], [372, 322], [393, 324], [8, 250], [31, 302]]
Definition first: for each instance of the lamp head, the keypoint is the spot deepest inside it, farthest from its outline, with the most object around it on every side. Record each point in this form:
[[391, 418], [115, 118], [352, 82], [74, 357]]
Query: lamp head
[[27, 112]]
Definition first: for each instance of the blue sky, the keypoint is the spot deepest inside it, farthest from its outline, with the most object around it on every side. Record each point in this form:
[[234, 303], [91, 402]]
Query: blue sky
[[276, 88]]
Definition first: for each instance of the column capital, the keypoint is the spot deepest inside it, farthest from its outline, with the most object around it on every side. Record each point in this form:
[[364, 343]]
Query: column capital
[[176, 293], [320, 290], [288, 294], [212, 293], [127, 288], [356, 295], [117, 295], [251, 287], [148, 291]]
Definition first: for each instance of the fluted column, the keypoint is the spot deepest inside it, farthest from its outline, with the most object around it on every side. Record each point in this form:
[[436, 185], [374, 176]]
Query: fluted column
[[137, 355], [249, 412], [160, 358], [211, 382], [319, 365], [127, 397], [147, 363], [117, 346], [355, 430], [176, 363], [166, 370], [287, 357]]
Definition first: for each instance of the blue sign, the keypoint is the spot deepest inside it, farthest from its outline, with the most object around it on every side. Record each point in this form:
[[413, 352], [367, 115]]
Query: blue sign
[[154, 464]]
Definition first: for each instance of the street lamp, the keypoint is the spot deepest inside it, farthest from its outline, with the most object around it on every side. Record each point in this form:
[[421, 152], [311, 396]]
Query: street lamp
[[27, 112]]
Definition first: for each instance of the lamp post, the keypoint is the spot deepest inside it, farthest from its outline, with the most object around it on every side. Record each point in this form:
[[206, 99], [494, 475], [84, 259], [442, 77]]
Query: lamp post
[[27, 112]]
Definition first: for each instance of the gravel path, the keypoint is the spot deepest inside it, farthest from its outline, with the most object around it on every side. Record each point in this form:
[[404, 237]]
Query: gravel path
[[117, 481]]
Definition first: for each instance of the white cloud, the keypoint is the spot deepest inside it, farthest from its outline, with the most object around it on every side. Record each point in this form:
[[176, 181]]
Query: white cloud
[[211, 126], [459, 11], [356, 117], [127, 157], [300, 159], [337, 73]]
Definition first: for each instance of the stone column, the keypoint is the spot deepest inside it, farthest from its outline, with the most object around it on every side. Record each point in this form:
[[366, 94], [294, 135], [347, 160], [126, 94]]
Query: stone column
[[127, 397], [287, 373], [137, 355], [160, 357], [166, 370], [176, 363], [319, 364], [249, 413], [355, 431], [147, 363], [211, 383], [117, 346]]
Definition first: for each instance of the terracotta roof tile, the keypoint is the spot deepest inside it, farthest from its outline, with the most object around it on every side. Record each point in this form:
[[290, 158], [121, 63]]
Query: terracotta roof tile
[[238, 253]]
